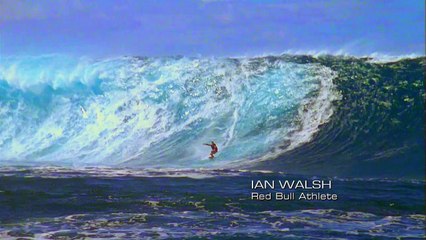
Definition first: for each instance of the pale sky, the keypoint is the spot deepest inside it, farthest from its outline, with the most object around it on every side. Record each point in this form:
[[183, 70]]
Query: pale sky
[[210, 28]]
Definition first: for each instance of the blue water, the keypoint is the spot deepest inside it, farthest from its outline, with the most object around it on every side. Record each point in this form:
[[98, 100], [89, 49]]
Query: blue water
[[149, 111], [112, 148], [51, 203]]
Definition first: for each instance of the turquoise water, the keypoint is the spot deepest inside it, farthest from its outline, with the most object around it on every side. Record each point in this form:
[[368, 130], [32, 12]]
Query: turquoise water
[[149, 111]]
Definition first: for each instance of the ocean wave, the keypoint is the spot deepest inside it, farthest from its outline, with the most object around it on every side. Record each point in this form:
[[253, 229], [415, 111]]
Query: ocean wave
[[157, 112], [305, 114], [377, 129]]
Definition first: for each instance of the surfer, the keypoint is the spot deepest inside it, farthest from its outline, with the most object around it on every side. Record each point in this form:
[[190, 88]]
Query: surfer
[[214, 149]]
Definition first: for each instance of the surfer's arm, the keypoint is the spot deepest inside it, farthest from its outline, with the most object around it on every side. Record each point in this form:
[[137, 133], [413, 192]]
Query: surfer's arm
[[207, 144]]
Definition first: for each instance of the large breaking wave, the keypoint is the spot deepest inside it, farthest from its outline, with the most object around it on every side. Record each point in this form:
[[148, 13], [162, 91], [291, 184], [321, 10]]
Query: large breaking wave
[[302, 114], [157, 112]]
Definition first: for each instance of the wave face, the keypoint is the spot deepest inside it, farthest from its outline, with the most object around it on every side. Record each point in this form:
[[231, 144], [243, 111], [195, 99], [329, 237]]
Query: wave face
[[157, 112], [378, 126]]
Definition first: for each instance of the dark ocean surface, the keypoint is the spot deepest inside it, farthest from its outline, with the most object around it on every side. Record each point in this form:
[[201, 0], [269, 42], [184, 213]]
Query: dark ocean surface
[[58, 203]]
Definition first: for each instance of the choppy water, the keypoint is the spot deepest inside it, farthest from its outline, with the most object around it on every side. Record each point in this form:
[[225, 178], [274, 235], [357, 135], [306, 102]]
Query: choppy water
[[55, 203]]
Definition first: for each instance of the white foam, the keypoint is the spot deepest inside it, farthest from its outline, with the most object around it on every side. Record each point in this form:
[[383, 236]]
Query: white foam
[[136, 117], [313, 113]]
